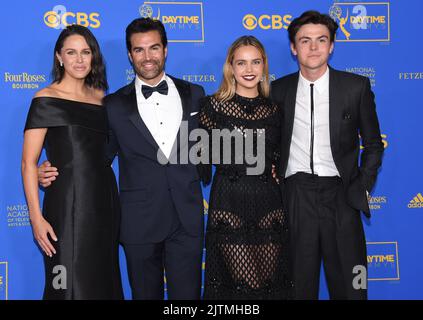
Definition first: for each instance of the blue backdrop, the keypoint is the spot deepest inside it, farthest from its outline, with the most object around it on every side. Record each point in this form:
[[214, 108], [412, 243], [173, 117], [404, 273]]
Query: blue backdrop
[[377, 39]]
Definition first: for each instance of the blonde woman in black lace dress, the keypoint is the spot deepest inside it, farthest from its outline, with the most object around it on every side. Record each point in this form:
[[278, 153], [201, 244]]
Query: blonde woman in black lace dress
[[246, 239]]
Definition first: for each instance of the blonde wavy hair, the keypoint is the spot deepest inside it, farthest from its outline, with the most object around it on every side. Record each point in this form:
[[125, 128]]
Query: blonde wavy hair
[[227, 87]]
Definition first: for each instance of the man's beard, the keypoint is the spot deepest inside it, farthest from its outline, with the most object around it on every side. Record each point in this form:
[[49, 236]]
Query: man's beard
[[151, 73]]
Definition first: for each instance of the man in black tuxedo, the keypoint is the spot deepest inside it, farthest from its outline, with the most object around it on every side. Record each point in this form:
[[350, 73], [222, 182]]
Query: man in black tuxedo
[[162, 204], [326, 186]]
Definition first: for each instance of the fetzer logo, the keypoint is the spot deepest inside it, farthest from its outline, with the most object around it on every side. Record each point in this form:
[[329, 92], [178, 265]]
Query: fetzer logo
[[416, 202]]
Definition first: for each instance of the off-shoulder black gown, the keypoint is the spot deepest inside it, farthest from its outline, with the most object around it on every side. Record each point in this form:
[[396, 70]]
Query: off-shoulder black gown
[[247, 235], [82, 203]]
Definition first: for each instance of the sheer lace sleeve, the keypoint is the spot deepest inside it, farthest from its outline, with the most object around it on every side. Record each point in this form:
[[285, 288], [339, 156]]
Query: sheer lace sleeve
[[276, 143], [208, 122]]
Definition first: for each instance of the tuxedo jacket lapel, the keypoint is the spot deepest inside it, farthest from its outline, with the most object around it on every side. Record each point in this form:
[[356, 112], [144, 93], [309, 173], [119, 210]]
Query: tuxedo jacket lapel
[[289, 112], [335, 110], [134, 115], [181, 140], [135, 118], [291, 98], [184, 94]]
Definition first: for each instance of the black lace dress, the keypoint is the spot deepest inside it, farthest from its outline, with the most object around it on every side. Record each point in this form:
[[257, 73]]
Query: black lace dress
[[246, 239]]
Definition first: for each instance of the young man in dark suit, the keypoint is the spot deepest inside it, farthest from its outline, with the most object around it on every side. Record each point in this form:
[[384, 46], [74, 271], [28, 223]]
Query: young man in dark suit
[[326, 179], [162, 221]]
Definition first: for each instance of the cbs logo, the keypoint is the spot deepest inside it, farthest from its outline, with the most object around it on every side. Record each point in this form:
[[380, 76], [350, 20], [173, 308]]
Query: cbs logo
[[59, 20], [265, 21]]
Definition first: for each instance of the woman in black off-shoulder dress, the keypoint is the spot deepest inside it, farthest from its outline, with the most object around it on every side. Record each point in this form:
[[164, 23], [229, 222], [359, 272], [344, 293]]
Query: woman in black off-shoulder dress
[[81, 207], [247, 236]]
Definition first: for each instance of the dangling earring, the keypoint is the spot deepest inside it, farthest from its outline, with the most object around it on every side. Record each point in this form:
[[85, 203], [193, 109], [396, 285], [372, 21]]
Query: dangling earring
[[262, 79], [61, 63], [233, 81]]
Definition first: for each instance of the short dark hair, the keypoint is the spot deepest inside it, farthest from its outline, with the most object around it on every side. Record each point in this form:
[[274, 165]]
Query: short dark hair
[[145, 25], [314, 17], [97, 76]]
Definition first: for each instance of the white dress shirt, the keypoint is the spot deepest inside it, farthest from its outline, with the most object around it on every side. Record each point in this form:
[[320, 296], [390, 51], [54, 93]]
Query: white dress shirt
[[299, 156], [162, 114]]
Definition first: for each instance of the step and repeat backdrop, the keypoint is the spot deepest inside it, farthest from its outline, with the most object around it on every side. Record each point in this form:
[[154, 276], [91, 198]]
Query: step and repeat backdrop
[[380, 40]]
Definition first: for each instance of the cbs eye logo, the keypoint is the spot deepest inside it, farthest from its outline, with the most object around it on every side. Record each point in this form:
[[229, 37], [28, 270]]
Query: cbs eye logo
[[249, 22], [60, 18], [266, 21]]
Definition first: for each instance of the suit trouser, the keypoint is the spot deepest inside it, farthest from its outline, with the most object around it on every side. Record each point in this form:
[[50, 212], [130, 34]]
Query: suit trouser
[[324, 227], [179, 255]]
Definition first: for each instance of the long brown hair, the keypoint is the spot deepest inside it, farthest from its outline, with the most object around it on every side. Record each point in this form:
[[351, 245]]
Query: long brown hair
[[227, 87], [97, 76]]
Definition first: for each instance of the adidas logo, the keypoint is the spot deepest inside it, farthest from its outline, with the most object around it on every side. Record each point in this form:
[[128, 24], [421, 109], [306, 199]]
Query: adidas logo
[[416, 202]]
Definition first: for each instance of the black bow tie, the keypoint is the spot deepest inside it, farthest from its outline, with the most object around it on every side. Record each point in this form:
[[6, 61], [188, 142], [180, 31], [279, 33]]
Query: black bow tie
[[161, 88]]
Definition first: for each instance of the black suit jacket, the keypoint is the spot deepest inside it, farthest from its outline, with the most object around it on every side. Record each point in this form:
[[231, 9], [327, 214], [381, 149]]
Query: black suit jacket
[[145, 183], [352, 112]]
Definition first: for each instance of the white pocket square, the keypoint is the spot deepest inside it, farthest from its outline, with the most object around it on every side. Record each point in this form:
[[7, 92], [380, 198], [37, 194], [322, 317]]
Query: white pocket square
[[193, 113]]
